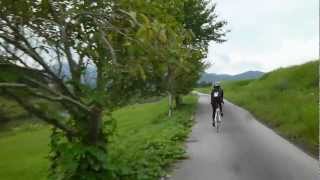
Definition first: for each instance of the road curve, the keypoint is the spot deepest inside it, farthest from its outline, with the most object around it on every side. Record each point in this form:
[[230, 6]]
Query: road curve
[[243, 150]]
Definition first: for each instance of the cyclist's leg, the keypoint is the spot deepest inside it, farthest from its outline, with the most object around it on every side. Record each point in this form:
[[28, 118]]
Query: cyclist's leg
[[220, 106], [213, 114]]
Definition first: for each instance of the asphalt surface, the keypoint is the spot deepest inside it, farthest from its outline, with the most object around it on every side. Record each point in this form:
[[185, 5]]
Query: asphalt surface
[[243, 150]]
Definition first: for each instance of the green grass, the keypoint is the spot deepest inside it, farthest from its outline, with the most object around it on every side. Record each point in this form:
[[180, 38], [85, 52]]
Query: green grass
[[285, 99], [145, 143], [23, 154]]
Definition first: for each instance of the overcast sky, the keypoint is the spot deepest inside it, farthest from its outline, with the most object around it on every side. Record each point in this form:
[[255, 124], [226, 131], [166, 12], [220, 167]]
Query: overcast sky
[[265, 35]]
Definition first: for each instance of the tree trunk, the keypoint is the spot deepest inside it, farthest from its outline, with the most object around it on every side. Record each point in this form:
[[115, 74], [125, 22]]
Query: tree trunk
[[170, 104], [171, 90], [178, 100], [94, 124], [87, 151]]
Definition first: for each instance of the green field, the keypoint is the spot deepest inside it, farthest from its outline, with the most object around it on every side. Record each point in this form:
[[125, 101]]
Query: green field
[[145, 143], [285, 99]]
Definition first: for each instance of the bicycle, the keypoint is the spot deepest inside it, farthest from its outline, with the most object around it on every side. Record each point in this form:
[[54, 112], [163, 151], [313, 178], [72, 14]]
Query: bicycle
[[218, 119]]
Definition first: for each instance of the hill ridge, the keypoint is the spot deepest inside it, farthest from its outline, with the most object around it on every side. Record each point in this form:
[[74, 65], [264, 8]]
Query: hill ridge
[[211, 77]]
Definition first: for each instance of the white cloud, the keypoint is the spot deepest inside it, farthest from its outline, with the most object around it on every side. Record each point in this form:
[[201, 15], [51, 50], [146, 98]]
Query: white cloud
[[266, 35]]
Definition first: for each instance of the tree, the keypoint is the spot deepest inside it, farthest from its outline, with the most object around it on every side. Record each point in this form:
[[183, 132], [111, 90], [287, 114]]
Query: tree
[[201, 19], [60, 42], [180, 33], [165, 36]]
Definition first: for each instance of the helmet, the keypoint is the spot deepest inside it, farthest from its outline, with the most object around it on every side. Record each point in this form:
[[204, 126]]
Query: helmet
[[216, 84]]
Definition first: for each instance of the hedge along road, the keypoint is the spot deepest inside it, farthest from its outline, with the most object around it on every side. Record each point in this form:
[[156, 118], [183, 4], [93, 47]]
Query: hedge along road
[[243, 150]]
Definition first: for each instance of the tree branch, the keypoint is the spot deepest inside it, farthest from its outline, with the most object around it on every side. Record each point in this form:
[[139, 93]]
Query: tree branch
[[31, 109], [60, 97], [29, 50]]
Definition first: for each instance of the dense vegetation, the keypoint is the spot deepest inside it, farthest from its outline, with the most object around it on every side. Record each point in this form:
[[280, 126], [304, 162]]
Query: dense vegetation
[[145, 143], [71, 63], [285, 99]]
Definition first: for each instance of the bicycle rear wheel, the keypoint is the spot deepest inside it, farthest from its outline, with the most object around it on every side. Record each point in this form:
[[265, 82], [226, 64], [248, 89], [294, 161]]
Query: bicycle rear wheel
[[217, 120], [218, 126]]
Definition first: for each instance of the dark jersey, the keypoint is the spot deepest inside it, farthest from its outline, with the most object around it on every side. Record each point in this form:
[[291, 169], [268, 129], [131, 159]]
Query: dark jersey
[[216, 96]]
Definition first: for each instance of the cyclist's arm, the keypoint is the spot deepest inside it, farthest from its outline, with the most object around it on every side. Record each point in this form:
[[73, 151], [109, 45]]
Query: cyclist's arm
[[222, 95]]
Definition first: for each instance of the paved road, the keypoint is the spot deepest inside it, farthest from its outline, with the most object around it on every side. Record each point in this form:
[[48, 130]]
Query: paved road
[[244, 150]]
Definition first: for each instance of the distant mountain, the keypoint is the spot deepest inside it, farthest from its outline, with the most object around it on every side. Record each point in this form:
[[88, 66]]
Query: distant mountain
[[248, 75], [211, 77]]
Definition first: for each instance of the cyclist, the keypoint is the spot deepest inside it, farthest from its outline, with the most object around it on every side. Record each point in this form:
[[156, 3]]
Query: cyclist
[[216, 99]]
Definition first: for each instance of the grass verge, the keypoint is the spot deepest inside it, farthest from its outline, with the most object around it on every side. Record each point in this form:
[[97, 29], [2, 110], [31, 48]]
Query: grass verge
[[145, 143]]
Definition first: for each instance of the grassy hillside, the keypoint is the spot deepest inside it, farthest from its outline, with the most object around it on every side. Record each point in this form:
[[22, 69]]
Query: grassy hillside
[[286, 99], [145, 143]]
